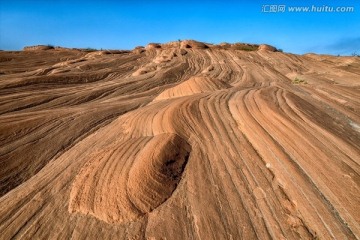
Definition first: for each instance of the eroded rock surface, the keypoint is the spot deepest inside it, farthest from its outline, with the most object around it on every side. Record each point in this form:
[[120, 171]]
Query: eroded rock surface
[[188, 140]]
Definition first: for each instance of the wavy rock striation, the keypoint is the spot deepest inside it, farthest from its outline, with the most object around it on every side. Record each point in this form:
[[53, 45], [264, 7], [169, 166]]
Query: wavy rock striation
[[157, 171], [197, 84], [183, 140], [130, 185]]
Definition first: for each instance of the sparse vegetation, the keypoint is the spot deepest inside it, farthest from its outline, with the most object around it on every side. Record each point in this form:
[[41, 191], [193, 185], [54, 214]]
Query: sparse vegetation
[[299, 81], [244, 47], [89, 49]]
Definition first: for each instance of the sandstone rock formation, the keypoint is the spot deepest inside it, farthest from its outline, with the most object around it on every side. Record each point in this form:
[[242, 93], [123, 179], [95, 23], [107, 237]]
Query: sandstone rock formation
[[220, 142], [266, 47], [136, 185], [193, 44], [153, 46]]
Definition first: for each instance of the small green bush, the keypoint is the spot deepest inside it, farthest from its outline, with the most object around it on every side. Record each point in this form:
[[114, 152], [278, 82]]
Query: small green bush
[[299, 81]]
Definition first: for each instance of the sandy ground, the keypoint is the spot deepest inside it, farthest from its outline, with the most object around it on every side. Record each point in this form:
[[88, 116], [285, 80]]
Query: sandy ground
[[179, 141]]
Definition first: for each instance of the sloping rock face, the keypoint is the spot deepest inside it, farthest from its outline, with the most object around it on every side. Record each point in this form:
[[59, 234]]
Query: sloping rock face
[[137, 185], [196, 84], [178, 142]]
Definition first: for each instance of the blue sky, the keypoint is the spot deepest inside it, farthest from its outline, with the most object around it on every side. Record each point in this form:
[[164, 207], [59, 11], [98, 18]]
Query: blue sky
[[126, 24]]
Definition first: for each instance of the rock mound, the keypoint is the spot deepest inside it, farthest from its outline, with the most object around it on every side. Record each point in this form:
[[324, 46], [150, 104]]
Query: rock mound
[[153, 46], [266, 47], [193, 44], [138, 50]]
